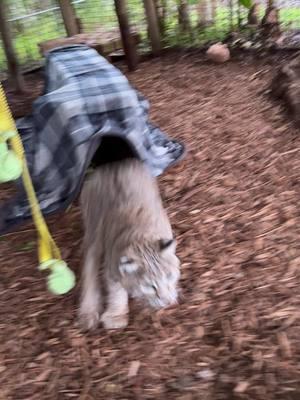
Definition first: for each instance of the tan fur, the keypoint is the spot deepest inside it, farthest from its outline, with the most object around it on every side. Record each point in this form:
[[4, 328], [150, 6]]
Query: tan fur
[[128, 244]]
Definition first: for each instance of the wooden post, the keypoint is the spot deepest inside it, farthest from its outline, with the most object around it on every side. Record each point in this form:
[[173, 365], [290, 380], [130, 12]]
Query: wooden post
[[153, 26], [69, 17], [12, 62], [128, 40]]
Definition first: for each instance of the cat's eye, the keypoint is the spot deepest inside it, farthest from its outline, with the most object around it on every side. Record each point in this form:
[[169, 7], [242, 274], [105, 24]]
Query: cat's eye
[[155, 289], [149, 289], [164, 244], [127, 266], [126, 260]]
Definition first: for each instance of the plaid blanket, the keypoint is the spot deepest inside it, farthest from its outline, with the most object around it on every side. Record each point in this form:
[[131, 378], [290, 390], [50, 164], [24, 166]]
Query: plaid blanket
[[85, 100]]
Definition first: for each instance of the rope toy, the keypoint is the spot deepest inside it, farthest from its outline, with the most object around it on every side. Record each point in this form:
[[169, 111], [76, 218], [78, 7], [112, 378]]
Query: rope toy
[[13, 165]]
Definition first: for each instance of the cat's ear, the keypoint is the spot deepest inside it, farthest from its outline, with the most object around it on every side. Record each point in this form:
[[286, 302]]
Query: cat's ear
[[127, 266], [167, 245]]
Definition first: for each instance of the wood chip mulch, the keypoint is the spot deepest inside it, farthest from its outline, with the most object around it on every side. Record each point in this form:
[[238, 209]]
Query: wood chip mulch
[[234, 205]]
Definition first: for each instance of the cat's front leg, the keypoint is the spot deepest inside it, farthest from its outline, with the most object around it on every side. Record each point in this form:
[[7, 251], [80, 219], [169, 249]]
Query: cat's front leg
[[116, 314], [90, 304]]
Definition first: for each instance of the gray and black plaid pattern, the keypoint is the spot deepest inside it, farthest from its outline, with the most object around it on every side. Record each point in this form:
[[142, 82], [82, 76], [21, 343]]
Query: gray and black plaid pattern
[[85, 99]]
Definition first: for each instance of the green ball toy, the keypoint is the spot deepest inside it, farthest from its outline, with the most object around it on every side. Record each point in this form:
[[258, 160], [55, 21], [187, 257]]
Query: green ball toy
[[61, 279], [10, 165]]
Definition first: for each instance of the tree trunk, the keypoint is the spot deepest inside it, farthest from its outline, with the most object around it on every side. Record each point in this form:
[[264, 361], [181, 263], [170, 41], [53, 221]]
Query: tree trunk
[[12, 62], [206, 12], [184, 16], [253, 15], [129, 43], [231, 16], [270, 24], [69, 17], [161, 11], [153, 26], [239, 16]]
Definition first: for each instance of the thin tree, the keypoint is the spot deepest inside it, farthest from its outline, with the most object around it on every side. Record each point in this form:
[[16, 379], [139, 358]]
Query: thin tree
[[129, 44], [69, 17], [206, 12], [12, 62], [161, 10], [184, 16], [153, 26]]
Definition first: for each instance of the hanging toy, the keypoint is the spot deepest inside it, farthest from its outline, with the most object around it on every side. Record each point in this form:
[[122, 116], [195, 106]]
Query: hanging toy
[[12, 166]]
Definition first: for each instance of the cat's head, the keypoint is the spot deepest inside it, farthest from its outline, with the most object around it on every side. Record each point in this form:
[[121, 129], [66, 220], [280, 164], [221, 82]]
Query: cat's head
[[150, 272]]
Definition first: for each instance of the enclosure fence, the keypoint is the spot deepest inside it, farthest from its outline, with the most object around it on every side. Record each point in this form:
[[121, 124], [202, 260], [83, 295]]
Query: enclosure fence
[[35, 21]]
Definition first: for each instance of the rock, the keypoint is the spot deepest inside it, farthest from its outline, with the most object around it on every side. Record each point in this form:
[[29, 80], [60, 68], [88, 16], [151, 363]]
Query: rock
[[286, 87], [218, 53]]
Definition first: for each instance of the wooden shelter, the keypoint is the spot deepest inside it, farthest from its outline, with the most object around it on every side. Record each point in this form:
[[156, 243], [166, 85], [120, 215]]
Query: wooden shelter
[[104, 41]]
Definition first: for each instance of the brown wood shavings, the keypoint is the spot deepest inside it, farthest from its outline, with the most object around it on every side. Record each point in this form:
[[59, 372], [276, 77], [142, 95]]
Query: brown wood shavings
[[234, 204]]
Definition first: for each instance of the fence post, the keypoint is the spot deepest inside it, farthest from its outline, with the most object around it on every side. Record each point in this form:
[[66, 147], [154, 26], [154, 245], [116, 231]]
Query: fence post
[[69, 17], [153, 26], [12, 62], [129, 44]]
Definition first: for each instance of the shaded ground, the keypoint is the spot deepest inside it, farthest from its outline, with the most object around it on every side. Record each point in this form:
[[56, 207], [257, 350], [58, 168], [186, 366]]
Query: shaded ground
[[234, 204]]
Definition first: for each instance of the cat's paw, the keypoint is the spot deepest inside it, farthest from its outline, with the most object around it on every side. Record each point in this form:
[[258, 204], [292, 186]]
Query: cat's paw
[[89, 320], [114, 321]]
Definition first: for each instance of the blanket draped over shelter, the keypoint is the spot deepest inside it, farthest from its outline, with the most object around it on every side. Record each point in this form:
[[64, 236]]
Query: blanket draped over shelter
[[86, 99]]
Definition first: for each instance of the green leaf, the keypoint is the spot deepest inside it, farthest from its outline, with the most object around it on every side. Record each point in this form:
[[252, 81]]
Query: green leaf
[[26, 246], [246, 3]]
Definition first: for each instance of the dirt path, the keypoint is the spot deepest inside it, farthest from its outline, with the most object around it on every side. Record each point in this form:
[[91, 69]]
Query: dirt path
[[234, 204]]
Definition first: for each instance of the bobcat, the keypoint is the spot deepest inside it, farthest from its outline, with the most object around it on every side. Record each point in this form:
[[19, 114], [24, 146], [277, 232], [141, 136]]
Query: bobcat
[[129, 245]]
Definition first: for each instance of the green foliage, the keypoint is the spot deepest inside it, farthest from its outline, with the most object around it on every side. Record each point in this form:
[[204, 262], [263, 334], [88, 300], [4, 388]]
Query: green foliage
[[29, 32], [246, 3]]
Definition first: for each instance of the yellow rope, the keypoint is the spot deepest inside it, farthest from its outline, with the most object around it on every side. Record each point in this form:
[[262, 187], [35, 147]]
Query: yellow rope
[[47, 249]]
